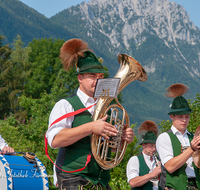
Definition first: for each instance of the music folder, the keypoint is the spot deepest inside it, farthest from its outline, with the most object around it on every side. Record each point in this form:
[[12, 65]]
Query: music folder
[[107, 87]]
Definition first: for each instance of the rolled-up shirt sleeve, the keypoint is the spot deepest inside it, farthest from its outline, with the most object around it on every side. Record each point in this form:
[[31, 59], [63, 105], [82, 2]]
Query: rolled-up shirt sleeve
[[2, 143], [164, 148], [132, 169], [61, 108]]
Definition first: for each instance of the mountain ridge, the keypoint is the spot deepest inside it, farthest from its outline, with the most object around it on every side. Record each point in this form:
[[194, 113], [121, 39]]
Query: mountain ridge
[[157, 8], [91, 15]]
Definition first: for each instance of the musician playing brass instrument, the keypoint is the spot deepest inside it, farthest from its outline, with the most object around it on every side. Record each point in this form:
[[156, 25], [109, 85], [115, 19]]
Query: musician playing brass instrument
[[72, 134], [176, 146], [143, 170]]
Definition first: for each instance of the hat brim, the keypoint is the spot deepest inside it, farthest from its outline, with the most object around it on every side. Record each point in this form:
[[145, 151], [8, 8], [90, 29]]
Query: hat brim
[[93, 70], [148, 141], [180, 112]]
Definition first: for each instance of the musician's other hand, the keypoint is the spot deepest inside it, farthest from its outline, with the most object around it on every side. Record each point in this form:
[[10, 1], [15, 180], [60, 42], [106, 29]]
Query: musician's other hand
[[7, 150], [195, 143], [156, 171], [103, 128], [128, 135]]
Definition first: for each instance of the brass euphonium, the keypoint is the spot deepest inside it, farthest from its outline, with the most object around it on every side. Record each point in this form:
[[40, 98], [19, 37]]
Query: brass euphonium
[[130, 70]]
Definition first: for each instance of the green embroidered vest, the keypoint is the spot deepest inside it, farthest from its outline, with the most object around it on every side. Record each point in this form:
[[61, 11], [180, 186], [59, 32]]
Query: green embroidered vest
[[75, 155], [178, 179]]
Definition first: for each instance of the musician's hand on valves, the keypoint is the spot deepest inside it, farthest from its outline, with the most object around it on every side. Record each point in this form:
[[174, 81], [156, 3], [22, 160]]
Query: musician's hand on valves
[[128, 135], [103, 128], [195, 143]]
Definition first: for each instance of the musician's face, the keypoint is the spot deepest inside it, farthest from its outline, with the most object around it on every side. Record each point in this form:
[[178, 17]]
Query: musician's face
[[180, 122], [87, 82], [149, 148]]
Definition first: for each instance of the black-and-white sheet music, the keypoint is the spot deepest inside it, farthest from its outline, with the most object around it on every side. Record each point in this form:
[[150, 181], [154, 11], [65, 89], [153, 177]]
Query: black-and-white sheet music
[[108, 86]]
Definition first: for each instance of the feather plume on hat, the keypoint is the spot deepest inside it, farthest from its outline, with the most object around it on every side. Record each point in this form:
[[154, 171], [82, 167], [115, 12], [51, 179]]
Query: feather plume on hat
[[177, 89], [71, 51], [148, 125]]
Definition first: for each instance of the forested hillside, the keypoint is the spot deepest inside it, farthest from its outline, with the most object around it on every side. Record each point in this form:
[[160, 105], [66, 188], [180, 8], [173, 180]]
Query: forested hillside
[[19, 19]]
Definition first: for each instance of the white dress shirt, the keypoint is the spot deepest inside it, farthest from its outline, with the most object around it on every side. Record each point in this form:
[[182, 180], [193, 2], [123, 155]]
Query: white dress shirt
[[132, 169], [63, 107], [2, 143], [165, 149]]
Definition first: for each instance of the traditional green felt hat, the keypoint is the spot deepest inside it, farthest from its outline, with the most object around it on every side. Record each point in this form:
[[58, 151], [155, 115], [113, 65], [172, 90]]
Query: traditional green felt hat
[[75, 52], [180, 106], [89, 64], [149, 137]]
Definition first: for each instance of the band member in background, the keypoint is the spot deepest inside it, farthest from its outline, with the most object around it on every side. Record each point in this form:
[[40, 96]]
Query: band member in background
[[176, 146], [143, 170], [4, 148], [72, 135]]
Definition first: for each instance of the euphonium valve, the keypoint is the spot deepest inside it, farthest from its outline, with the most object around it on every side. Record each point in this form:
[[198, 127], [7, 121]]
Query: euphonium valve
[[129, 70]]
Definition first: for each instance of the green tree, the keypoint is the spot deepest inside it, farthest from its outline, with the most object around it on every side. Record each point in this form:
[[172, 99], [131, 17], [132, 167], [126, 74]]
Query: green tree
[[5, 66], [195, 115], [20, 72], [14, 71], [45, 66], [20, 56]]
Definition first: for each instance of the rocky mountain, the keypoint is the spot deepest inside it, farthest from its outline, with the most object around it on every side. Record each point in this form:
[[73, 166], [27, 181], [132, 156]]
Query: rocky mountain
[[122, 24], [157, 33]]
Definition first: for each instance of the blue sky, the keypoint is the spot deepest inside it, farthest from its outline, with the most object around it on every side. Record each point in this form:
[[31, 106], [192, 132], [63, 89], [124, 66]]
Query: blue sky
[[50, 7]]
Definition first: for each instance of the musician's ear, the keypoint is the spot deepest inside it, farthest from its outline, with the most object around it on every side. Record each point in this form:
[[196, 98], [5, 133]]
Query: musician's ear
[[80, 77], [143, 145]]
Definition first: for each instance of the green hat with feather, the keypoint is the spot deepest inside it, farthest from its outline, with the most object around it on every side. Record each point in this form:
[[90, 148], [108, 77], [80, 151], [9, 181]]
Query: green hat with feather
[[151, 131], [75, 52], [179, 105]]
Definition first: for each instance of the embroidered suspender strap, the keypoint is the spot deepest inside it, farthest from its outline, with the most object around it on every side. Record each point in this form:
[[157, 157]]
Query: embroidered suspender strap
[[56, 121]]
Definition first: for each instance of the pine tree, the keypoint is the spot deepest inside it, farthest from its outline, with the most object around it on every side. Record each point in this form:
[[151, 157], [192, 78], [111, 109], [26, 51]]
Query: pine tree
[[5, 65]]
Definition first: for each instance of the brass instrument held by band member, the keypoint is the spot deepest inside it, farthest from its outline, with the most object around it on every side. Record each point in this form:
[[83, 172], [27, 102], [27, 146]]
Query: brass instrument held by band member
[[157, 164], [130, 70], [156, 159]]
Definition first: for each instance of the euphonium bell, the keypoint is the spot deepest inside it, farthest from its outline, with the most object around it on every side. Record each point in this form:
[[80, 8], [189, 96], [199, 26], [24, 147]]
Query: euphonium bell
[[130, 70]]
